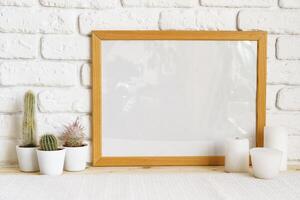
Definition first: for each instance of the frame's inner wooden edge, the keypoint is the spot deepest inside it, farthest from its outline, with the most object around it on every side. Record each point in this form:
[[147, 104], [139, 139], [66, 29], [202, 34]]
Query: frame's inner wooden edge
[[97, 36]]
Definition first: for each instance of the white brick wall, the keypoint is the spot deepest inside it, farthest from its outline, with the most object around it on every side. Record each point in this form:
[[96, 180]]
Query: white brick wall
[[288, 47], [17, 2], [289, 3], [96, 4], [289, 99], [198, 19], [138, 19], [38, 73], [86, 75], [64, 100], [23, 20], [18, 46], [65, 47], [160, 3], [239, 3], [45, 47], [273, 21]]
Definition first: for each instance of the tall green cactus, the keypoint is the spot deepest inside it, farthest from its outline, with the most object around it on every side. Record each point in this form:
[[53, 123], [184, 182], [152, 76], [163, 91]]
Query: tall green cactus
[[29, 127], [48, 142]]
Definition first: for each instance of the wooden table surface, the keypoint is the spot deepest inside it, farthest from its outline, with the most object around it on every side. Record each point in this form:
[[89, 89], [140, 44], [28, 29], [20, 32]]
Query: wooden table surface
[[173, 169]]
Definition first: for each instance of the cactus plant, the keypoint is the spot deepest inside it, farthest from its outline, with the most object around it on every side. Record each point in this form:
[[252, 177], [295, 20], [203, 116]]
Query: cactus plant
[[48, 142], [73, 135], [29, 127]]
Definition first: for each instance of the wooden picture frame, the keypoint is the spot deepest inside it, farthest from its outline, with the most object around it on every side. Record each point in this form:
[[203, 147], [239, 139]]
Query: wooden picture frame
[[99, 36]]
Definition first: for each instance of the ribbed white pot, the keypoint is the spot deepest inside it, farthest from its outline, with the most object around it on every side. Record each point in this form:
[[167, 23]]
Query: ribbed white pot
[[27, 159], [51, 162], [75, 158]]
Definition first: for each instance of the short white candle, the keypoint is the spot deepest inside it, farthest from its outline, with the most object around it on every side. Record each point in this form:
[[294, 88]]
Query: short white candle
[[276, 137], [237, 155], [265, 162]]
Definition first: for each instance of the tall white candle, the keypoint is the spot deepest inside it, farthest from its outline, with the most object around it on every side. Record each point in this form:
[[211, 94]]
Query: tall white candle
[[237, 155], [276, 137]]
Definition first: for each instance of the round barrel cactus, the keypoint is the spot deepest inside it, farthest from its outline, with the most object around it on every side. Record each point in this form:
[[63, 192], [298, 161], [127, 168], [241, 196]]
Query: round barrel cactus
[[48, 142]]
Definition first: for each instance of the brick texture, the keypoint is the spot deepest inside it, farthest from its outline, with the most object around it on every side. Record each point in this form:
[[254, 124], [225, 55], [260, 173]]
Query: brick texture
[[289, 120], [272, 93], [38, 74], [284, 72], [161, 3], [273, 21], [289, 99], [289, 3], [288, 47], [20, 20], [18, 46], [66, 47], [129, 19], [17, 2], [96, 4], [198, 19], [86, 75], [64, 100], [239, 3], [10, 126]]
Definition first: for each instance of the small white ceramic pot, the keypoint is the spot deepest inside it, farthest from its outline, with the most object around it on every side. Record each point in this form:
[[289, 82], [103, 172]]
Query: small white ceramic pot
[[51, 162], [75, 158], [27, 159], [265, 162]]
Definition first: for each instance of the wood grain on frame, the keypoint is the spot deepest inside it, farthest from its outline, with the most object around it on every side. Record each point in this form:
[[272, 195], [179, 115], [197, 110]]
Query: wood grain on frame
[[98, 36]]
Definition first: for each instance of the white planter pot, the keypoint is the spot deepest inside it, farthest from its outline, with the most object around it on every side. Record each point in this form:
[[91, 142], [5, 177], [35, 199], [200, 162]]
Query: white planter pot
[[75, 158], [27, 159], [51, 162], [265, 162]]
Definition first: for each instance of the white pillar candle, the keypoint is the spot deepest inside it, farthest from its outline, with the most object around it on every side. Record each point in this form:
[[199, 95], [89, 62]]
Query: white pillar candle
[[237, 155], [276, 137], [265, 162]]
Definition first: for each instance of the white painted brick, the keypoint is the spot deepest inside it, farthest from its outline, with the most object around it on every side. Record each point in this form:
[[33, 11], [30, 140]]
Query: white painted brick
[[285, 72], [288, 47], [293, 148], [289, 3], [11, 100], [239, 3], [86, 75], [18, 46], [10, 126], [160, 3], [198, 19], [273, 21], [272, 91], [23, 20], [119, 19], [38, 73], [8, 151], [271, 46], [290, 120], [54, 123], [289, 98], [97, 4], [17, 2], [64, 100], [66, 47]]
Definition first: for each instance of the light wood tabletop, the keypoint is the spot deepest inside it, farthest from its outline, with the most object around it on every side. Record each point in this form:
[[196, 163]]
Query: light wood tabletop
[[162, 169]]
